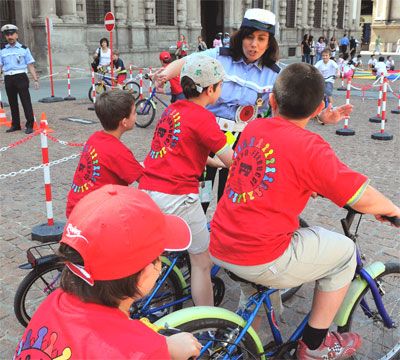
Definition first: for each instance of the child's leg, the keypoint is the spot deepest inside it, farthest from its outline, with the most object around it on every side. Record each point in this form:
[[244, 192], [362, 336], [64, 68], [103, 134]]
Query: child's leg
[[202, 291]]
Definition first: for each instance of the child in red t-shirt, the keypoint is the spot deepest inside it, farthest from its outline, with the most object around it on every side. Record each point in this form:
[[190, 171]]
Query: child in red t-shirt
[[184, 137], [111, 247], [277, 166], [175, 83], [105, 159]]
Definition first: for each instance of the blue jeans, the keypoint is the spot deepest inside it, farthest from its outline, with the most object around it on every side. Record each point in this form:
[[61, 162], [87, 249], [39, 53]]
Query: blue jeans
[[306, 58], [319, 57]]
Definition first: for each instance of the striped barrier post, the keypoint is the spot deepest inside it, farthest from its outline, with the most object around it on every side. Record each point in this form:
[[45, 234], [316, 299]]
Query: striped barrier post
[[69, 97], [51, 231], [346, 131], [130, 73], [141, 84], [377, 118], [382, 135], [150, 82], [93, 92]]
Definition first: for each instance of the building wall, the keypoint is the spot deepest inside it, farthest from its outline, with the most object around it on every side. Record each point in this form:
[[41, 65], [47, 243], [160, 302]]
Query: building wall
[[139, 39]]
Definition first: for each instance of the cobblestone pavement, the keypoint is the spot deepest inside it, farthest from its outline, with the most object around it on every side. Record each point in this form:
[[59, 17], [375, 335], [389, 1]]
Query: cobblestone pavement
[[23, 202]]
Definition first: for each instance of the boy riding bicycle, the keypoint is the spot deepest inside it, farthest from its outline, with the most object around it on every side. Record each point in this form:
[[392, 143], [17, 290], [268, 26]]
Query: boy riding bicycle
[[329, 70], [277, 166], [111, 247], [184, 137]]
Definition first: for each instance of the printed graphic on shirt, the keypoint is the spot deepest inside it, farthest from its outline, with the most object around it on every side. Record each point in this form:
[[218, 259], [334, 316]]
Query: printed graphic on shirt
[[88, 170], [41, 347], [252, 171], [167, 134]]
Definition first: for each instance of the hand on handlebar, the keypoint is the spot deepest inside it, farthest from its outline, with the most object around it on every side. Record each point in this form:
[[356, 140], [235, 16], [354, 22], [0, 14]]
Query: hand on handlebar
[[183, 346], [393, 220]]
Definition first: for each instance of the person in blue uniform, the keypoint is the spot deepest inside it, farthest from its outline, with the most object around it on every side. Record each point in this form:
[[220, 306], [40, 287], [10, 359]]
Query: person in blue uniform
[[15, 60], [250, 64]]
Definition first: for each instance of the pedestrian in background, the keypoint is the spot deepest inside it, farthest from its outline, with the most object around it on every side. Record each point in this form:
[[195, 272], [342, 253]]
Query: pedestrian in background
[[102, 56], [378, 43], [389, 63], [312, 47], [217, 41], [201, 45], [226, 40], [305, 49], [344, 43], [15, 59], [333, 46], [320, 47], [181, 47]]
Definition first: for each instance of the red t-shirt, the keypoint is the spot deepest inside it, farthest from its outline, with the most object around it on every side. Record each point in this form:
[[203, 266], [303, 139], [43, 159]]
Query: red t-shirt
[[104, 160], [277, 165], [183, 45], [182, 141], [67, 328], [175, 84]]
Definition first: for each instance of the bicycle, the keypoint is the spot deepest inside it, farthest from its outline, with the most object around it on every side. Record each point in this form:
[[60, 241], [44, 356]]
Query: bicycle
[[228, 335], [105, 82], [171, 291], [146, 109]]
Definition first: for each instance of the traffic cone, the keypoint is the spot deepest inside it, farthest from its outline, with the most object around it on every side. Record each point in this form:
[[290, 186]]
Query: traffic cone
[[44, 125], [3, 118]]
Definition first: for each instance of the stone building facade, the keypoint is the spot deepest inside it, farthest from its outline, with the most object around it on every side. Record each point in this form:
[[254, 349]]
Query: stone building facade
[[145, 27]]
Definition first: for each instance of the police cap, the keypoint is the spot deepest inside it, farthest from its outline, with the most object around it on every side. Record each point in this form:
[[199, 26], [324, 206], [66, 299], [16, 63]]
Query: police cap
[[9, 29]]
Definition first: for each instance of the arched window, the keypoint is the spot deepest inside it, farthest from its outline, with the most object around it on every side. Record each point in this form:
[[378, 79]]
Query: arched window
[[96, 9], [165, 12]]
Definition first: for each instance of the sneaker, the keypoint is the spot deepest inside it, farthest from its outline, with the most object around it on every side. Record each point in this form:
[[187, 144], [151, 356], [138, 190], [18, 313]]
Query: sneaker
[[335, 346]]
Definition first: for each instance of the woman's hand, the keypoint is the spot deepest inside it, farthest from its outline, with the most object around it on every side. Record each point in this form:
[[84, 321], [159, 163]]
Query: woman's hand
[[334, 115], [183, 346], [159, 79]]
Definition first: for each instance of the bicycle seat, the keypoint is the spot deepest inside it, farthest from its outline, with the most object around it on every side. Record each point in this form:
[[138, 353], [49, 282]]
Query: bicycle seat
[[234, 277]]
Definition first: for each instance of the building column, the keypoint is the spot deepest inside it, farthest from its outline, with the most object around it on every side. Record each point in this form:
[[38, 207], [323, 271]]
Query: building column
[[193, 13], [133, 13], [68, 11], [47, 8], [303, 23]]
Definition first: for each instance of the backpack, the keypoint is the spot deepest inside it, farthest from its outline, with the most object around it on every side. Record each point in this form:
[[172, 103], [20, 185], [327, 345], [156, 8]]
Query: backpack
[[96, 61]]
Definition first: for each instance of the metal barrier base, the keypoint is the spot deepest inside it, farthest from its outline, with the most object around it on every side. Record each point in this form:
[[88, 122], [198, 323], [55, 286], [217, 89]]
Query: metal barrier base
[[345, 132], [45, 233], [382, 136]]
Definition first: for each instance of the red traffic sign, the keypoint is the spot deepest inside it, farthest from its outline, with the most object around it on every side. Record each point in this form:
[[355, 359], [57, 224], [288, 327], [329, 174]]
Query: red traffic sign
[[109, 21]]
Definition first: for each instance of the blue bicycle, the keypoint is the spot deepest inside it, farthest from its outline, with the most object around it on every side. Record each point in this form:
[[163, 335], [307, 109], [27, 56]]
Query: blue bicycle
[[371, 308]]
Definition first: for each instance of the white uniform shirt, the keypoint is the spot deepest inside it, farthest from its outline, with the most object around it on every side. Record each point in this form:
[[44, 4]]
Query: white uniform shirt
[[327, 70]]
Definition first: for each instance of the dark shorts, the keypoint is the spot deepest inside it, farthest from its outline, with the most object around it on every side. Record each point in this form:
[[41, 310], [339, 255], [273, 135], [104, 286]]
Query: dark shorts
[[328, 88]]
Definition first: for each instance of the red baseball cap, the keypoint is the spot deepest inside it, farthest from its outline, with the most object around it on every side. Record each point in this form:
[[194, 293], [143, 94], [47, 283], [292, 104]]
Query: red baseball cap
[[119, 230], [165, 56]]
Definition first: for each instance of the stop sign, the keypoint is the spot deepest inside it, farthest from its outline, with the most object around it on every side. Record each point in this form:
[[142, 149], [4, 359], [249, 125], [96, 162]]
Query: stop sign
[[109, 21]]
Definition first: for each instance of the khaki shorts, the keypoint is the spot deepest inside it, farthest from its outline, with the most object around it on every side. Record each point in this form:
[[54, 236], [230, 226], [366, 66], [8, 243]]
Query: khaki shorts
[[314, 254], [189, 208]]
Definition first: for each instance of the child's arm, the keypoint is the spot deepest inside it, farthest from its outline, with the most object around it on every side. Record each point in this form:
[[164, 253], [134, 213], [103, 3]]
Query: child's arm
[[375, 203], [164, 74], [215, 162], [183, 346]]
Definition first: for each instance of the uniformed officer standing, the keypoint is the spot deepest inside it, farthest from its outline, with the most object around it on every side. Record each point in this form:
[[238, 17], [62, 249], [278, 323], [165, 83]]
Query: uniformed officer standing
[[15, 58]]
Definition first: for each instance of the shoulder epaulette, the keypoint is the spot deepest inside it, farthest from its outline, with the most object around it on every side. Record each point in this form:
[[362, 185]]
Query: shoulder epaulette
[[24, 47], [224, 51], [3, 46], [275, 68]]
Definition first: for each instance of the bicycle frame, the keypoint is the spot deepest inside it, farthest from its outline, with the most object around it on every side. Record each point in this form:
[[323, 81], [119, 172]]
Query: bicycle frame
[[262, 297], [171, 263]]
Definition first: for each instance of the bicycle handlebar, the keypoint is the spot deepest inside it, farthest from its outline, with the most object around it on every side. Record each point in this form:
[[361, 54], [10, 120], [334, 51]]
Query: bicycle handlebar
[[395, 220]]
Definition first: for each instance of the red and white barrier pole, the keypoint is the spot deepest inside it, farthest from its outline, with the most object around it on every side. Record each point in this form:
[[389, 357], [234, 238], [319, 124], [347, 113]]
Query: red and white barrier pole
[[377, 118], [93, 92], [150, 82], [382, 135], [130, 73], [69, 97], [46, 171], [52, 230], [346, 131], [141, 83]]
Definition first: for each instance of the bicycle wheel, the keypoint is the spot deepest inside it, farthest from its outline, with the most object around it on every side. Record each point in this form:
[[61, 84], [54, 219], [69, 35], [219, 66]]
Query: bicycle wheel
[[34, 288], [99, 87], [145, 112], [133, 88], [378, 342], [222, 333], [169, 292]]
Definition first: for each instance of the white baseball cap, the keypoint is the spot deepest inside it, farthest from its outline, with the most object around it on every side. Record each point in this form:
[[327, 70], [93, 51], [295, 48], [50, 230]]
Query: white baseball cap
[[203, 70], [260, 19]]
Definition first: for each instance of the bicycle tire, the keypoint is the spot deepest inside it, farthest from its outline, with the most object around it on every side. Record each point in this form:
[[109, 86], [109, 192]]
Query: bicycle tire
[[133, 88], [221, 329], [145, 113], [360, 323], [22, 309], [171, 282], [99, 87]]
